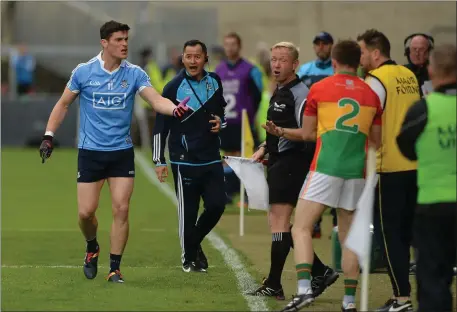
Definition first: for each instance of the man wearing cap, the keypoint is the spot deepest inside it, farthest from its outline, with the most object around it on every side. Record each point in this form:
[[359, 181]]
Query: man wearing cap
[[320, 68], [311, 73]]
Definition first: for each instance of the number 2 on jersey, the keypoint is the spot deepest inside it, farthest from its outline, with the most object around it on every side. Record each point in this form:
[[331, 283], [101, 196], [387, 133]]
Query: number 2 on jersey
[[346, 118], [230, 111]]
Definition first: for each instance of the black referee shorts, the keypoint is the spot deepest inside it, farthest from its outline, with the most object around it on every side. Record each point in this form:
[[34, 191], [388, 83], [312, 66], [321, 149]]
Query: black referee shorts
[[285, 176], [94, 166]]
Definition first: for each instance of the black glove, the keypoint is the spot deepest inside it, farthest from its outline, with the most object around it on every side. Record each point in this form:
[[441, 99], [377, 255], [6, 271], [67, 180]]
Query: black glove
[[46, 148], [179, 111]]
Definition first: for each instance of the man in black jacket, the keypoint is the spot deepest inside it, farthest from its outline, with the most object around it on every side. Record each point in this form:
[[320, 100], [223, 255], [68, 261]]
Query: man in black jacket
[[417, 51], [194, 152]]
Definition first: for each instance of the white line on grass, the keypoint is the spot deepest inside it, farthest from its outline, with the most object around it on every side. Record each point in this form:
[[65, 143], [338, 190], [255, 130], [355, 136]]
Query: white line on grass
[[231, 258]]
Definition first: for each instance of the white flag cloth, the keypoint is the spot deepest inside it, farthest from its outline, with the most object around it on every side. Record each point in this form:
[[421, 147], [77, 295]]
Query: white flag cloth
[[252, 175], [359, 236]]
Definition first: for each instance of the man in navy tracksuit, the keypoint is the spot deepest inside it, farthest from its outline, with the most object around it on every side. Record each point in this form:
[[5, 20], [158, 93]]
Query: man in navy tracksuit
[[194, 152]]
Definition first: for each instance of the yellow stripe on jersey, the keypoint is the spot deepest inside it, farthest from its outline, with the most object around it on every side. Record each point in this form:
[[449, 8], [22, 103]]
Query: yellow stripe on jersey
[[330, 113]]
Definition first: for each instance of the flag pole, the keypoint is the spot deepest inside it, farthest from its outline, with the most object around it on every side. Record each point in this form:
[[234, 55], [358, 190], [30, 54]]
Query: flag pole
[[371, 169], [243, 152], [365, 282]]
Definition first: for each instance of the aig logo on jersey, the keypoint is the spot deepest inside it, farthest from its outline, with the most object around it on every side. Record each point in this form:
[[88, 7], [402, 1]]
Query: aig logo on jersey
[[103, 100]]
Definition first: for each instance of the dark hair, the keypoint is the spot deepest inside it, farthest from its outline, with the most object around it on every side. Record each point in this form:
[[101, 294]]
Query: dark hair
[[111, 27], [376, 40], [235, 36], [347, 52], [195, 42]]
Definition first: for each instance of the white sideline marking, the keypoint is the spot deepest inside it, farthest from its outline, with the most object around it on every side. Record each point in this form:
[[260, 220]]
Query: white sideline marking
[[231, 258]]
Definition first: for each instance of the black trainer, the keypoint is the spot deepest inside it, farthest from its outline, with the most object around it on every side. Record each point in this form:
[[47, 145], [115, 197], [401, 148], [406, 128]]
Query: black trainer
[[192, 267], [268, 290], [201, 258], [115, 277], [393, 305], [298, 302], [90, 264], [320, 283]]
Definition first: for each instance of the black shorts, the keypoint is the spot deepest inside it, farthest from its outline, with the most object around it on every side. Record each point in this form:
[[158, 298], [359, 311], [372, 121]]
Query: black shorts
[[231, 138], [286, 175], [94, 166]]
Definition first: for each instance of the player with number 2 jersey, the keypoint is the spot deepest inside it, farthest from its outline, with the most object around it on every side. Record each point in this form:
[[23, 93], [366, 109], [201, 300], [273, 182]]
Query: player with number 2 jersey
[[346, 108]]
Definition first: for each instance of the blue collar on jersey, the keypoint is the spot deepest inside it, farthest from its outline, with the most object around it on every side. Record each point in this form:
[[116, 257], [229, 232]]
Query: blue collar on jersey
[[102, 63], [323, 63], [205, 74]]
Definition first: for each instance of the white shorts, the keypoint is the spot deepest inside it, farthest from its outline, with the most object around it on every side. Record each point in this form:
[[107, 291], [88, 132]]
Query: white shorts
[[332, 191]]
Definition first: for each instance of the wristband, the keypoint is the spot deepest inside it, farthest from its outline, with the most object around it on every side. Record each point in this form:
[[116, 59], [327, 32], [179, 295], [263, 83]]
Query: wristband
[[50, 133], [264, 145]]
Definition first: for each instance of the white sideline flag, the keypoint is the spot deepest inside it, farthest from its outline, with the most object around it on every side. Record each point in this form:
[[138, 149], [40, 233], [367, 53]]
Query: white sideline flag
[[252, 176], [359, 236]]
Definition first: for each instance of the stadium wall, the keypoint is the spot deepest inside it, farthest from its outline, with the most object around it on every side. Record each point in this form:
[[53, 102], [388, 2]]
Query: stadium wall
[[299, 22]]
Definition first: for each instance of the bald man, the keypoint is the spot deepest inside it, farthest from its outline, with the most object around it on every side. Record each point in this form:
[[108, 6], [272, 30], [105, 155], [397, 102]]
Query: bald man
[[417, 50]]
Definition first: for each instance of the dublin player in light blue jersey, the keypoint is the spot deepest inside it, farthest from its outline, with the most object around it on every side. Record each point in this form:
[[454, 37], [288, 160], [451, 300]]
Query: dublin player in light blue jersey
[[106, 85]]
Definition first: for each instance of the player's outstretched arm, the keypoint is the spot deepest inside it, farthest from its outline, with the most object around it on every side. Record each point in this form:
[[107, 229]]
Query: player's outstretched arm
[[163, 105]]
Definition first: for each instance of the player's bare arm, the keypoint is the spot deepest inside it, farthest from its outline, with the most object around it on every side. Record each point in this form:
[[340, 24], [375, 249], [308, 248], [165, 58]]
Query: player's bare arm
[[55, 120], [60, 110], [375, 136], [309, 129], [163, 105]]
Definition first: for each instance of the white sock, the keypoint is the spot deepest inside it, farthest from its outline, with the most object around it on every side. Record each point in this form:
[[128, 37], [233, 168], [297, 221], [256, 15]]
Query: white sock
[[304, 287]]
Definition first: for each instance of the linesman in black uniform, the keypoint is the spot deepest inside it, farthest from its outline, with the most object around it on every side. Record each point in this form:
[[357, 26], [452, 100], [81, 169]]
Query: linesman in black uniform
[[288, 164]]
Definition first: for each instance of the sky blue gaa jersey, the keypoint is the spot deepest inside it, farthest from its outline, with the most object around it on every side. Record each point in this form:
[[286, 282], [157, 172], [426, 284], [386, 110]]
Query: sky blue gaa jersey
[[106, 102]]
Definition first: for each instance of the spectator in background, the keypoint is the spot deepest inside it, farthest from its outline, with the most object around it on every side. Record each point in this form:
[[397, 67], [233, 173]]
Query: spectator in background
[[144, 117], [217, 56], [24, 65], [262, 61], [175, 65], [320, 68], [152, 69], [417, 51], [242, 88], [311, 73]]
